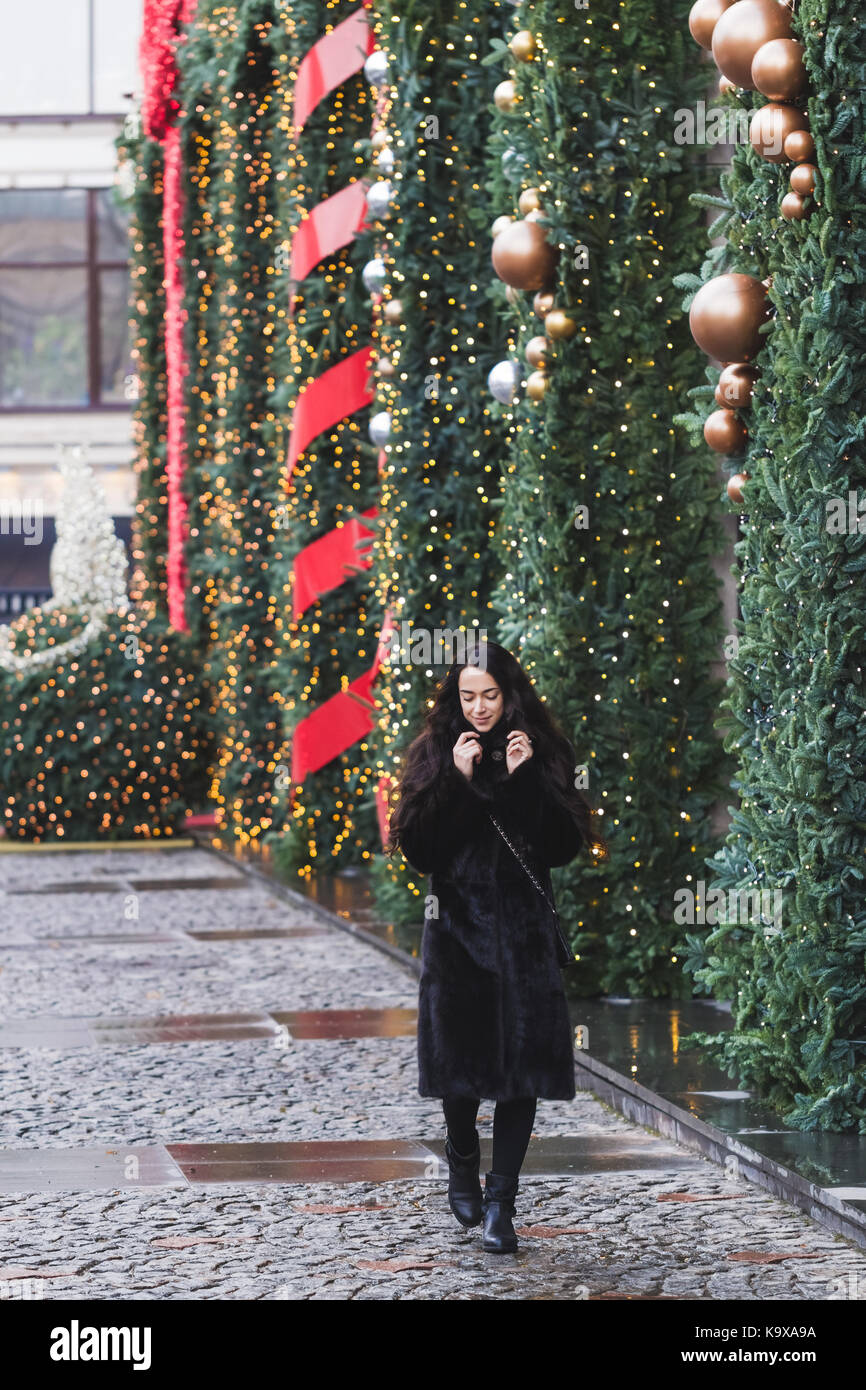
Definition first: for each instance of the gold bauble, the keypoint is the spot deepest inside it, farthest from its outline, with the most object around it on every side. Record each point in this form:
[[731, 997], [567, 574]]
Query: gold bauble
[[800, 147], [726, 86], [500, 224], [393, 311], [741, 31], [803, 179], [558, 325], [736, 483], [538, 351], [736, 384], [771, 125], [523, 45], [385, 367], [529, 200], [542, 304], [379, 139], [523, 257], [725, 432], [778, 70], [793, 207], [726, 314], [505, 95], [536, 385], [703, 18], [512, 295]]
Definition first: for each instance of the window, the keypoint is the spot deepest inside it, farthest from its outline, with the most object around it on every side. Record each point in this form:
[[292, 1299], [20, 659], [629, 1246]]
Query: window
[[87, 57], [64, 290]]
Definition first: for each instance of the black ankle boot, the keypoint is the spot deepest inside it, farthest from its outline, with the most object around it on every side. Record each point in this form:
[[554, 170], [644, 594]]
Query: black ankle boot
[[464, 1186], [500, 1191]]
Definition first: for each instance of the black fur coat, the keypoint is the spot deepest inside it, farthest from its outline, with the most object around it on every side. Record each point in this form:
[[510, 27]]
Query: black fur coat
[[492, 1015]]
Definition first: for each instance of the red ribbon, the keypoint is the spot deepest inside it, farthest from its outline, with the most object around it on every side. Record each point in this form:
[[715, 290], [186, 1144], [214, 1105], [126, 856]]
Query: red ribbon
[[331, 62], [338, 723], [332, 224], [326, 563], [338, 392]]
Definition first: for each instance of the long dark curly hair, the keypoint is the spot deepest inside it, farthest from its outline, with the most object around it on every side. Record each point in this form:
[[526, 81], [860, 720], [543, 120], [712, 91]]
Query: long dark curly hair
[[428, 756]]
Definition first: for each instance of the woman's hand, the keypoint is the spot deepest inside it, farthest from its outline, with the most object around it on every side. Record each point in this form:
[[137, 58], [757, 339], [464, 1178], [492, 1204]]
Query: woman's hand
[[467, 751], [519, 749]]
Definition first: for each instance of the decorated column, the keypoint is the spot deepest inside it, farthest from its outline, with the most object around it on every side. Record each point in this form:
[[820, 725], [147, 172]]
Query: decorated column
[[780, 310]]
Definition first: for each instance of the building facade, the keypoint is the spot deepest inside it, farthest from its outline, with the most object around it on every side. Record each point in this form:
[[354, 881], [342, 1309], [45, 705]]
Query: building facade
[[66, 378]]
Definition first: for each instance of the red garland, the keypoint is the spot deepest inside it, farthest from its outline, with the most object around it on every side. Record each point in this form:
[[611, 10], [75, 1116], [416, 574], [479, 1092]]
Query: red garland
[[163, 24], [176, 369], [157, 62]]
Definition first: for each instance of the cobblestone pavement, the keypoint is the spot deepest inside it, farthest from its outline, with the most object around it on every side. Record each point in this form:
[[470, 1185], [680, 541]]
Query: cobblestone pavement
[[680, 1230]]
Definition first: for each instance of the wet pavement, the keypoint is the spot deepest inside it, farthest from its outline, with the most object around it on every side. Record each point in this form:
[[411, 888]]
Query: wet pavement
[[211, 1094]]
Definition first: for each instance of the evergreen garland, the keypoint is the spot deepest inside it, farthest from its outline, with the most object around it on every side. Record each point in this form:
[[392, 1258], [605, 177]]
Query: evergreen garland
[[147, 321], [232, 89], [793, 967], [435, 561], [332, 814], [615, 611]]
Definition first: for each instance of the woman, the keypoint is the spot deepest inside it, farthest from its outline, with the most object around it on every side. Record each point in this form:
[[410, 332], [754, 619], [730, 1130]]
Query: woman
[[492, 1014]]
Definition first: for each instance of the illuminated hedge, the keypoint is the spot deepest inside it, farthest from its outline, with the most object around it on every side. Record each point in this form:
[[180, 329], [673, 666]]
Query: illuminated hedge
[[107, 742]]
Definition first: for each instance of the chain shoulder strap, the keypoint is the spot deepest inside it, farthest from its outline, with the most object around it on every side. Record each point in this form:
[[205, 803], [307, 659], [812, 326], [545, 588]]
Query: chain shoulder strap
[[564, 951], [522, 862]]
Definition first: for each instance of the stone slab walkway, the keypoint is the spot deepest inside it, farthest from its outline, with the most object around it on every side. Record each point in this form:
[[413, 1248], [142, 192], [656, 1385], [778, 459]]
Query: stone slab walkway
[[633, 1216]]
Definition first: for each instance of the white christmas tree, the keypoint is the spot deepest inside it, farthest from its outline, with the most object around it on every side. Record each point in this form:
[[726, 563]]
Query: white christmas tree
[[88, 568], [88, 562]]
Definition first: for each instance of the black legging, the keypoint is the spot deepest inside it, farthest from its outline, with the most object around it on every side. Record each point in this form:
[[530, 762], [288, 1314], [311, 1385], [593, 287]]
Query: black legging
[[512, 1128]]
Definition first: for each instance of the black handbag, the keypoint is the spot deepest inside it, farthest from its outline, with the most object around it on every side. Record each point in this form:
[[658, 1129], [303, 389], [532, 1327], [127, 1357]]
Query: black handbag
[[564, 953]]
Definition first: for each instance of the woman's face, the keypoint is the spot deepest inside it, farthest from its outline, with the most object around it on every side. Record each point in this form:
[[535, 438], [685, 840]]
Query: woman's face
[[480, 697]]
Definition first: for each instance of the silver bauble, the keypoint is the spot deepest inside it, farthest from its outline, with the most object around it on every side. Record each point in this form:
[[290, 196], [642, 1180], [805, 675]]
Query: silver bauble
[[385, 160], [503, 380], [376, 67], [379, 429], [379, 198], [375, 275]]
